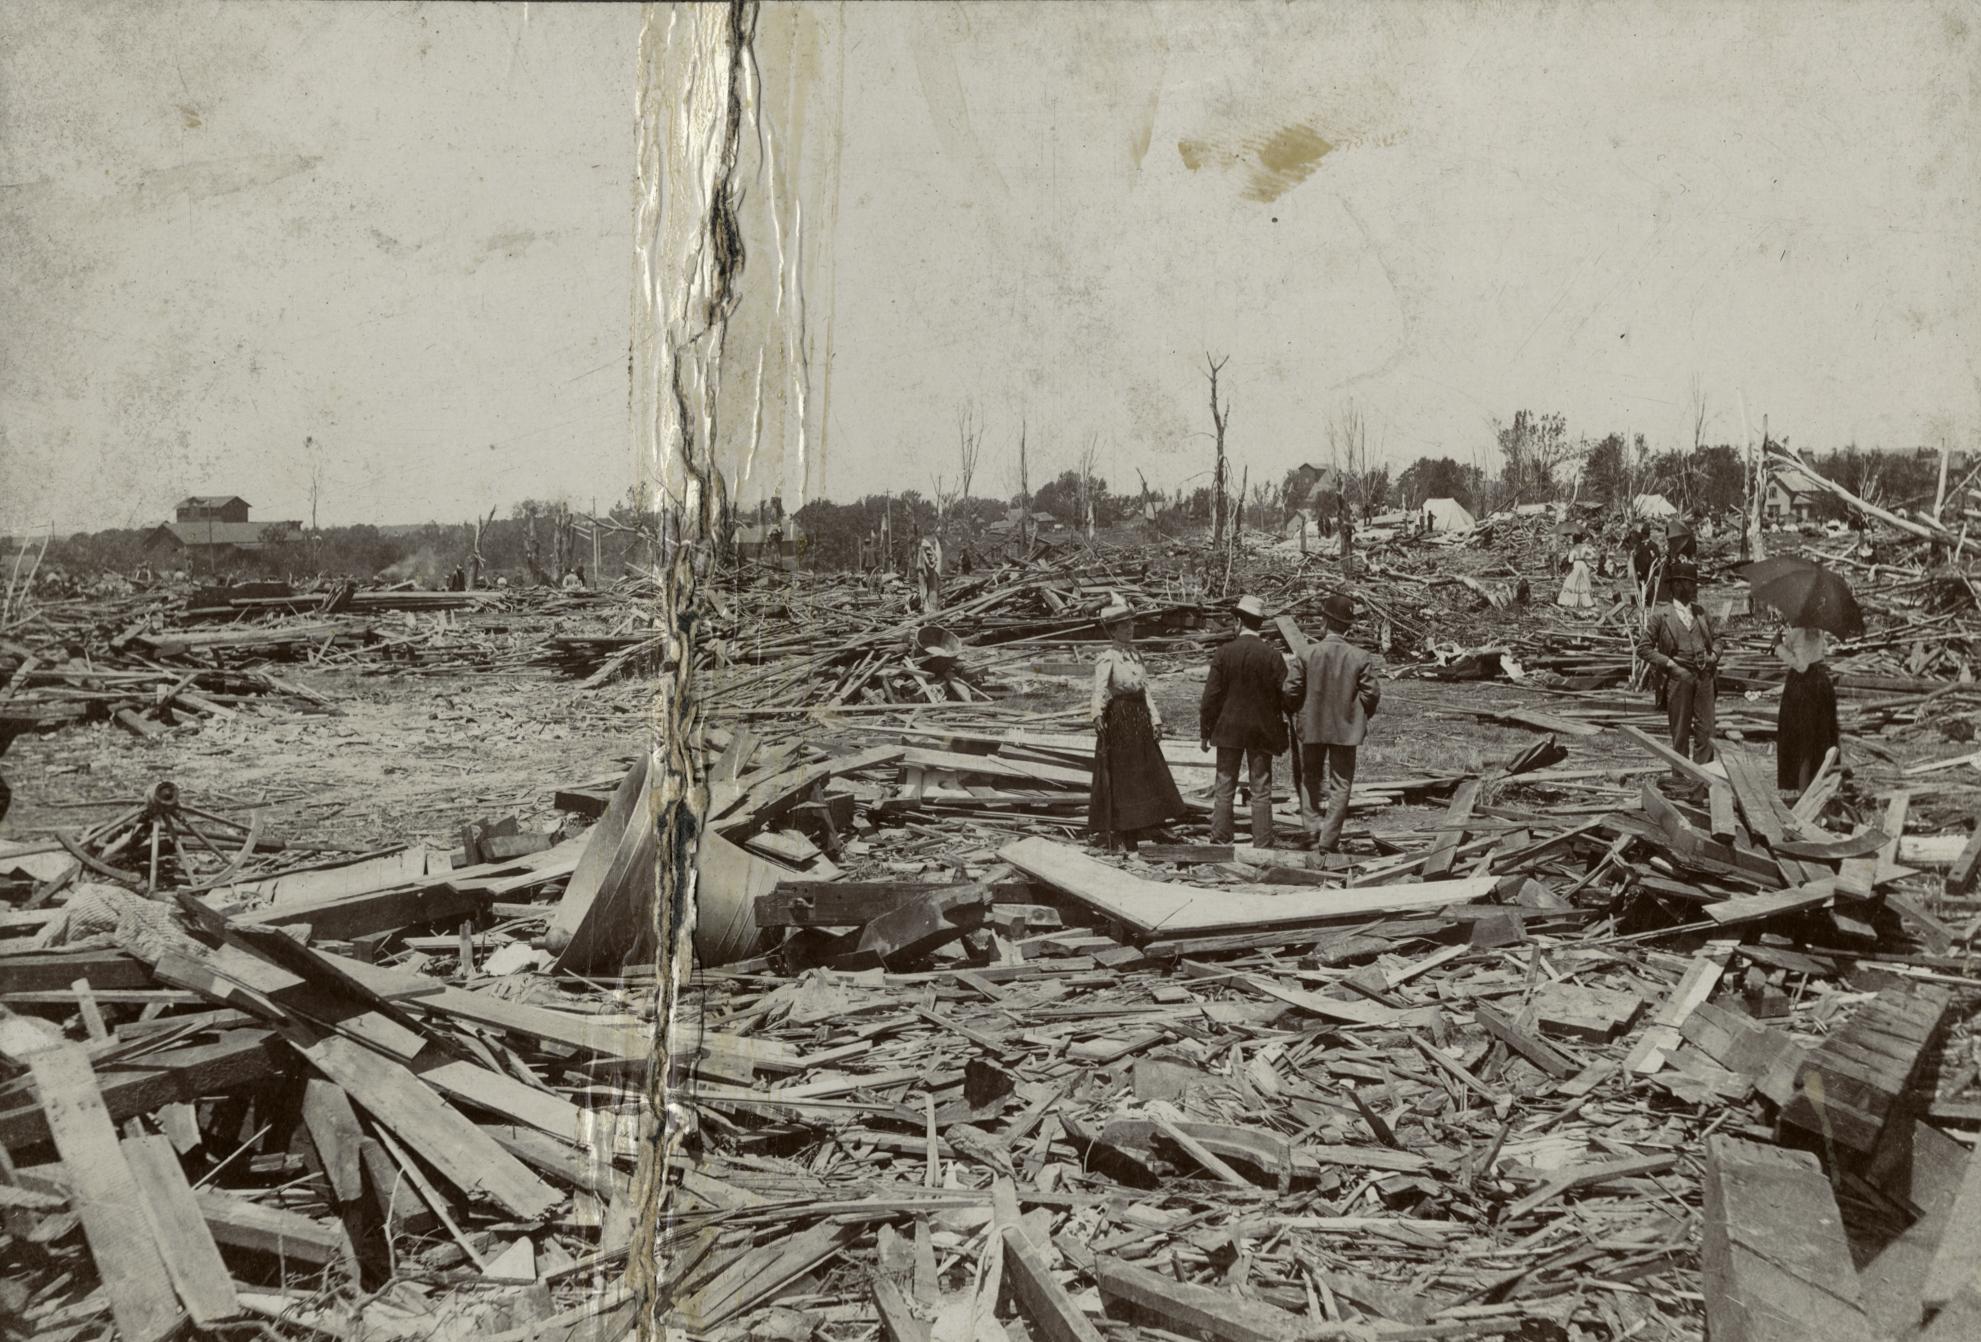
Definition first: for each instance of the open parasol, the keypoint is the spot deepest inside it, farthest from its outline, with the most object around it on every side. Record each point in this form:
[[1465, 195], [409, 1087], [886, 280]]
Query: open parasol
[[1767, 570], [1809, 596]]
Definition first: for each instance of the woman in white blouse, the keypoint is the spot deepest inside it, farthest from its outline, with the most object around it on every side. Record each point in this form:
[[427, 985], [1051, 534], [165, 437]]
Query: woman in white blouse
[[1132, 789]]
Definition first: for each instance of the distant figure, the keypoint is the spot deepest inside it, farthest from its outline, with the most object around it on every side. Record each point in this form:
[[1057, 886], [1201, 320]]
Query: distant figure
[[1332, 693], [1132, 788], [928, 574], [1241, 716], [1806, 728], [1678, 644], [502, 582], [457, 581], [1643, 563], [1577, 591], [570, 582]]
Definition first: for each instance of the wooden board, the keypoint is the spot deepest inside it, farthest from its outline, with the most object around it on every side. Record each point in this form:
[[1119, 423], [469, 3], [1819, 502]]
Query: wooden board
[[468, 1157], [1775, 1263], [106, 1196], [1192, 1311], [127, 1089], [192, 1259], [1154, 906], [1047, 1308], [1856, 1080]]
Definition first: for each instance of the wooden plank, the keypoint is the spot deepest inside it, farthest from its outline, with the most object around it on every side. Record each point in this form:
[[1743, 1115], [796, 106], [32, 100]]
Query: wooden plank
[[898, 1321], [1960, 876], [570, 1028], [736, 807], [467, 1156], [128, 1089], [52, 971], [106, 1196], [1698, 773], [1852, 1084], [810, 903], [612, 885], [1452, 831], [1139, 1295], [913, 929], [1719, 806], [1662, 1035], [343, 917], [1956, 1262], [759, 1274], [192, 1259], [1775, 1263], [333, 1129], [1754, 908], [236, 1223], [1528, 1045], [1150, 906], [1049, 1311]]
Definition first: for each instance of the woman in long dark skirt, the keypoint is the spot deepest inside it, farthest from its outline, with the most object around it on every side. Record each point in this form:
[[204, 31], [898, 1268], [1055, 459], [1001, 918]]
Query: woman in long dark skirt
[[1132, 790], [1807, 726]]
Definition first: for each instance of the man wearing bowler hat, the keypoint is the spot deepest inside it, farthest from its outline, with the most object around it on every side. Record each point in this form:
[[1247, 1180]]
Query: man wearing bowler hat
[[1240, 715], [1331, 694]]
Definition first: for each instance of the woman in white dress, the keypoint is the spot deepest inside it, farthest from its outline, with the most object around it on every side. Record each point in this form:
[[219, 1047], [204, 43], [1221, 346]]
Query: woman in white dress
[[1578, 592]]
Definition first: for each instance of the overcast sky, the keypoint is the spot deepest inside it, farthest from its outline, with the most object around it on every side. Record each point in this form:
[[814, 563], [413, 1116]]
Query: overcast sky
[[407, 231]]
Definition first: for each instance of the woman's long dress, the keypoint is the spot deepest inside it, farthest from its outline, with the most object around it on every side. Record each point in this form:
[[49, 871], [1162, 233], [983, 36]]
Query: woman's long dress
[[1806, 727], [1577, 592], [1132, 787]]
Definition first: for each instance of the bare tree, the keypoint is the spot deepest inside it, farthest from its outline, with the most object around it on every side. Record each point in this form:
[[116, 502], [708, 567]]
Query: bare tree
[[969, 445], [1221, 472], [1089, 458], [314, 455]]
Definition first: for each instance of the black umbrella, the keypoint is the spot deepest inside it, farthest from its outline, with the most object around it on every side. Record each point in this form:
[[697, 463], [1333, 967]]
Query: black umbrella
[[1767, 570], [1812, 598]]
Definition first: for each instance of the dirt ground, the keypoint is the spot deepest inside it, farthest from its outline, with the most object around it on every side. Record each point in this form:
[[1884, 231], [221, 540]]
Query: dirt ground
[[412, 759], [404, 760]]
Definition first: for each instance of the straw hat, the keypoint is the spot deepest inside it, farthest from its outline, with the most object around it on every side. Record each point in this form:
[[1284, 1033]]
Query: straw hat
[[1251, 608]]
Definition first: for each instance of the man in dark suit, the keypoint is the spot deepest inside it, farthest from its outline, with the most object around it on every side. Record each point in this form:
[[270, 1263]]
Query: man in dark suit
[[1240, 715], [1332, 693]]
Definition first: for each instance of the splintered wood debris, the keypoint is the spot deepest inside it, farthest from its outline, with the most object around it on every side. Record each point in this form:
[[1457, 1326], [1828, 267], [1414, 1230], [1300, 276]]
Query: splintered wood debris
[[1586, 1043]]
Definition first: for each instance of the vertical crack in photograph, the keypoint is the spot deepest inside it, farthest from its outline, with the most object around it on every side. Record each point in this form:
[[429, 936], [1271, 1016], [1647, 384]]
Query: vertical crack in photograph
[[645, 690]]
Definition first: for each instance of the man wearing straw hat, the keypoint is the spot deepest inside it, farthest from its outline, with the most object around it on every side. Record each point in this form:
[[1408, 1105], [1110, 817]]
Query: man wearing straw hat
[[1240, 715], [1333, 692]]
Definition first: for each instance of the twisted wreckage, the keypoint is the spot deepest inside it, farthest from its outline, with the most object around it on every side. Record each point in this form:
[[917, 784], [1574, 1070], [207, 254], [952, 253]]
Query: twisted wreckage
[[1553, 1048]]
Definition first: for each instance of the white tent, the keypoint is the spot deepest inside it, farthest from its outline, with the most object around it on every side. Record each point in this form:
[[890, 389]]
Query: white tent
[[1446, 515], [1653, 507]]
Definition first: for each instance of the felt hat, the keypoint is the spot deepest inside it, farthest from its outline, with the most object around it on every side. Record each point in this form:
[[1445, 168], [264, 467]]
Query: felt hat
[[1251, 608], [1339, 608]]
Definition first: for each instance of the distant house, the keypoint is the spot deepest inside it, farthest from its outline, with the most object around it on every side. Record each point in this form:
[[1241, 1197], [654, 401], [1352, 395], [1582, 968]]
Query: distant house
[[212, 508], [215, 529], [1308, 485], [1791, 495]]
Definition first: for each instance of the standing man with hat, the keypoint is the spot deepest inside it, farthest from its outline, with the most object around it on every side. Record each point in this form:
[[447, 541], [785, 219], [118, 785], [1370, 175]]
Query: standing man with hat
[[1332, 693], [1679, 645], [1240, 715]]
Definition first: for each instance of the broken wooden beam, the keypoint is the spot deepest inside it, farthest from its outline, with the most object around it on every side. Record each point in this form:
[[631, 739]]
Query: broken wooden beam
[[1775, 1263]]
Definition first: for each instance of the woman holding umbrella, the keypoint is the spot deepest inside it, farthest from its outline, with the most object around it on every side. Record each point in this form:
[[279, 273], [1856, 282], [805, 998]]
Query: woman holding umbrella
[[1806, 728], [1132, 789], [1812, 601]]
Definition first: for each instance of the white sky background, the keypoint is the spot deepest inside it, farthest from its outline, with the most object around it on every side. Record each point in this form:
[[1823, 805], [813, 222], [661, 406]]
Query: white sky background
[[408, 231]]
